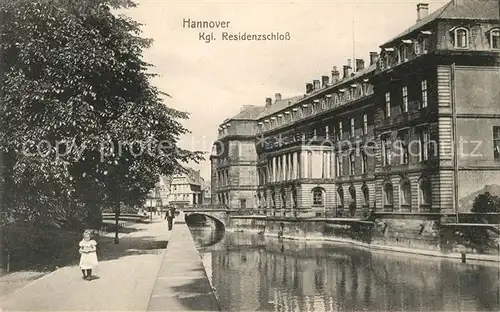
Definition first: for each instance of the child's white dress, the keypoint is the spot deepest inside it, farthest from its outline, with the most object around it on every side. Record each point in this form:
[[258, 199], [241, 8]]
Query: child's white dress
[[88, 258]]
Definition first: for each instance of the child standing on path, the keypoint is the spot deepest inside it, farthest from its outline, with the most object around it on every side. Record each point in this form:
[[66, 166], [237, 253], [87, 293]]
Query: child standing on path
[[88, 258]]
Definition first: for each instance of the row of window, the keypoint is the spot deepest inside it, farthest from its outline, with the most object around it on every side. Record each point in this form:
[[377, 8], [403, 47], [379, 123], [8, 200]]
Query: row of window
[[404, 99], [461, 38], [390, 56], [354, 92], [424, 198], [402, 53], [402, 145], [352, 164], [318, 195], [223, 177], [285, 169], [333, 132]]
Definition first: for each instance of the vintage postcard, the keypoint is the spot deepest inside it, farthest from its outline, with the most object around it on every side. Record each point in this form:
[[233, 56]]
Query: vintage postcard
[[204, 155]]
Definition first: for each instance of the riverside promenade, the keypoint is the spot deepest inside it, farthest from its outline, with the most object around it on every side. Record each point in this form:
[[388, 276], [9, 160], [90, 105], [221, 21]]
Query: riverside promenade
[[182, 283], [126, 277]]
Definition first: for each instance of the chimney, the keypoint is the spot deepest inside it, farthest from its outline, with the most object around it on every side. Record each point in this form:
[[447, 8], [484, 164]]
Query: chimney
[[309, 87], [373, 57], [422, 11], [349, 67], [277, 96], [316, 84], [269, 102], [360, 64], [335, 75], [325, 80], [346, 71]]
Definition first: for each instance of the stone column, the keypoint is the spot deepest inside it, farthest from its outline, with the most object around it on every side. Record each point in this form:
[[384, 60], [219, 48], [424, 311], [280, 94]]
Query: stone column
[[310, 156], [327, 164], [288, 167], [285, 167], [303, 164], [274, 169], [298, 170]]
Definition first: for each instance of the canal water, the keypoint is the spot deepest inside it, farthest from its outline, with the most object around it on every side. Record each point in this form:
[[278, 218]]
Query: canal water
[[255, 273]]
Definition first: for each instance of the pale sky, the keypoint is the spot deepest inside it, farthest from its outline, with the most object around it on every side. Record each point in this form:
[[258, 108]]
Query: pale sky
[[212, 81]]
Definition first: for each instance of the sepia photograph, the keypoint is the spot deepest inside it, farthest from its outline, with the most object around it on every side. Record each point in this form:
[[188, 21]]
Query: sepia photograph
[[250, 155]]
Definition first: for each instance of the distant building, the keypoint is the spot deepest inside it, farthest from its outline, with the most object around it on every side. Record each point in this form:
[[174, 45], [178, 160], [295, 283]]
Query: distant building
[[186, 189], [158, 197], [207, 192], [234, 161], [414, 132]]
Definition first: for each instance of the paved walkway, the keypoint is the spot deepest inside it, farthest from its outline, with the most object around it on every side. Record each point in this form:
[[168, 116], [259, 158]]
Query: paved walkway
[[126, 275], [182, 283]]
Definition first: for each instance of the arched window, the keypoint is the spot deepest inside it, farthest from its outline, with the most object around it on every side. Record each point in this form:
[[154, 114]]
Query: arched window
[[283, 198], [259, 200], [425, 192], [366, 195], [340, 196], [273, 198], [461, 38], [405, 192], [388, 194], [495, 38], [317, 194]]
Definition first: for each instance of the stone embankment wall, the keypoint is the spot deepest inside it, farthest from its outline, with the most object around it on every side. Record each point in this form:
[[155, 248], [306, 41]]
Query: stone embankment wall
[[404, 235]]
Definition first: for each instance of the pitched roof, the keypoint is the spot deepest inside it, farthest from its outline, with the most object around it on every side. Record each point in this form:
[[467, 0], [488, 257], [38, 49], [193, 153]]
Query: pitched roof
[[470, 9], [249, 113], [279, 105]]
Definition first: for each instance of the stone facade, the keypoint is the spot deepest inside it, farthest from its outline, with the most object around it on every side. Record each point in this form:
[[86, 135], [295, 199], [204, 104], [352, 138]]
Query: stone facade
[[416, 131], [233, 162]]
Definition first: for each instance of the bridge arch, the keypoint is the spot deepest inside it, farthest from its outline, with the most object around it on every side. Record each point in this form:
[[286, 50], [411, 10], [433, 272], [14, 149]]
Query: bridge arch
[[219, 218]]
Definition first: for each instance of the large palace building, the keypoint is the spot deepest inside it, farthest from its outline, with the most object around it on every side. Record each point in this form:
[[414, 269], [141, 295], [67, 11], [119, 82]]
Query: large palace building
[[415, 130]]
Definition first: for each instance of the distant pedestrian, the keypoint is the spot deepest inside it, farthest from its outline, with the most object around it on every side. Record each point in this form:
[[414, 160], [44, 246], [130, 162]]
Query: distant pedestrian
[[88, 255], [170, 217]]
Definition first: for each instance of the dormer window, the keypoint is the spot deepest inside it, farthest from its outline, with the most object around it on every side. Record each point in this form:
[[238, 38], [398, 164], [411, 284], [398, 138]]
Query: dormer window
[[336, 99], [329, 100], [461, 36], [387, 59], [403, 51], [495, 38], [422, 43], [381, 62]]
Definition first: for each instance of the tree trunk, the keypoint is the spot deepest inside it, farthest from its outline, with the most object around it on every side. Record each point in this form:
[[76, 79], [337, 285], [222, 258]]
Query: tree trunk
[[94, 216], [117, 217]]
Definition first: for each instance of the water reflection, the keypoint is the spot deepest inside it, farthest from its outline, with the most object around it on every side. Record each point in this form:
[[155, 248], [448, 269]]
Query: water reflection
[[253, 273]]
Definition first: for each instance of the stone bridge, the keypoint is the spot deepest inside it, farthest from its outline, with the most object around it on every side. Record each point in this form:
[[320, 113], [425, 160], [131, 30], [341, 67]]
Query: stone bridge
[[219, 216]]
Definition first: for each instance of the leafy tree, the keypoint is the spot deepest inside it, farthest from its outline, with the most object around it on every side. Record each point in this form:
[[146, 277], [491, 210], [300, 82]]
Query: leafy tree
[[486, 203], [78, 111]]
